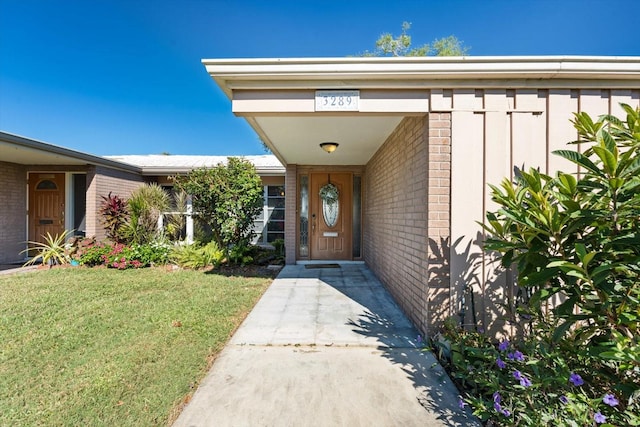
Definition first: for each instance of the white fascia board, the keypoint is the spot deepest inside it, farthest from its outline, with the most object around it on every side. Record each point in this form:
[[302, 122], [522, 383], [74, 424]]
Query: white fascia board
[[389, 72]]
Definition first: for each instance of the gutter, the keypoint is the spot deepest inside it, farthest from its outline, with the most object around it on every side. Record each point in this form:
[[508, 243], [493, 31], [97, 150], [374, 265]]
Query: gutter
[[66, 152], [384, 72]]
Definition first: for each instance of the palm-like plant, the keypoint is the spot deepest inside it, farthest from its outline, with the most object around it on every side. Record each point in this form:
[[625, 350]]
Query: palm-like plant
[[52, 251]]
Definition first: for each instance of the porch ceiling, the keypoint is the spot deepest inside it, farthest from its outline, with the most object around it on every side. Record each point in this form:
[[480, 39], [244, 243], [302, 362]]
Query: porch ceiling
[[296, 139]]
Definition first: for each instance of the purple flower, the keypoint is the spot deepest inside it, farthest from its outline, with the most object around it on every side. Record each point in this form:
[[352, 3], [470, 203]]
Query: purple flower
[[576, 379], [496, 397], [419, 339], [461, 403], [500, 363], [599, 418], [517, 355], [504, 345], [564, 400], [506, 412], [610, 400], [497, 407], [524, 381]]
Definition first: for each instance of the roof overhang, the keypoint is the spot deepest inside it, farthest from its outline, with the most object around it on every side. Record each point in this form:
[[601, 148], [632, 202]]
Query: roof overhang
[[168, 165], [25, 151], [277, 96]]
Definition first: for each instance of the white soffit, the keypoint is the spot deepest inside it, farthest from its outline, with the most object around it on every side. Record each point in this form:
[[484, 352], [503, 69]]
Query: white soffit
[[297, 139]]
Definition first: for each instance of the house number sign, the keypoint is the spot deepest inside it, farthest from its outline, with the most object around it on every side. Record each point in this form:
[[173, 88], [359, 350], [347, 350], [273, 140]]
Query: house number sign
[[337, 100]]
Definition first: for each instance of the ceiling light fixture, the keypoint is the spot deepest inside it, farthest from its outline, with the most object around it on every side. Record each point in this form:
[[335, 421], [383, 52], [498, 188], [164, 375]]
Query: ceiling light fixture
[[329, 147]]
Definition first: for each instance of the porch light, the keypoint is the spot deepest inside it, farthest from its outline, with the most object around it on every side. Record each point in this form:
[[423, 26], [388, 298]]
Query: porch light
[[329, 147]]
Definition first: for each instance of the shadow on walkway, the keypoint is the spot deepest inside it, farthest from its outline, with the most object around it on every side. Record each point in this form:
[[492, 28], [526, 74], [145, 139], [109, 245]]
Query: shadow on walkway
[[325, 347]]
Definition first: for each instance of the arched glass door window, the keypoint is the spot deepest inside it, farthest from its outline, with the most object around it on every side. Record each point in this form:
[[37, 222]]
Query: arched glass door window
[[46, 184]]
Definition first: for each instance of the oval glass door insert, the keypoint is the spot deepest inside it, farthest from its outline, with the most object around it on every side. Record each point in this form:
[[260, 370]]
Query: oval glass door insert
[[330, 212], [330, 204]]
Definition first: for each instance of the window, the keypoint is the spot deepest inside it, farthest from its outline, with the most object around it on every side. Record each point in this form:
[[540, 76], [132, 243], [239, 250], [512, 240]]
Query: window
[[270, 225], [46, 184]]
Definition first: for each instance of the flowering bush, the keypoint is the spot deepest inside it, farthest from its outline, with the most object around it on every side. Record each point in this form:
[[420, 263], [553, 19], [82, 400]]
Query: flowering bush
[[575, 240], [120, 257], [90, 253], [532, 382]]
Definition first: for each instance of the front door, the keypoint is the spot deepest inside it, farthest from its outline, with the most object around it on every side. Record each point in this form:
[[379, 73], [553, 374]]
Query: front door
[[46, 205], [331, 216]]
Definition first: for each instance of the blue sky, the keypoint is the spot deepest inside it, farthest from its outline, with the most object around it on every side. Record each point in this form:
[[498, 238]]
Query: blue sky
[[124, 77]]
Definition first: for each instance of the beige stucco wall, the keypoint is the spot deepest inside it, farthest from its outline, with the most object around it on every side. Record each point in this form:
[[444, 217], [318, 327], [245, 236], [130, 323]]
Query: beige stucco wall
[[101, 181], [13, 207]]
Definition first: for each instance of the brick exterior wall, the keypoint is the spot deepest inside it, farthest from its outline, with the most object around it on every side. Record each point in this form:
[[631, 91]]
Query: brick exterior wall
[[290, 215], [101, 181], [406, 217], [439, 225], [395, 217], [13, 208]]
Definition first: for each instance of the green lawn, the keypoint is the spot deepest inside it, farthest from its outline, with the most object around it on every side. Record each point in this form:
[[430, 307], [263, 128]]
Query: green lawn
[[100, 347]]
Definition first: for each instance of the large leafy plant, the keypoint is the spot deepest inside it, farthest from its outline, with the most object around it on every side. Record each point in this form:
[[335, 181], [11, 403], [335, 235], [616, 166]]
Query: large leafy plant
[[574, 243], [53, 250], [227, 197], [145, 205], [114, 215]]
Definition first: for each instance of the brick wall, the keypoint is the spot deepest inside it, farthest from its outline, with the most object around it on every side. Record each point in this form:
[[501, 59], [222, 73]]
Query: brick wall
[[395, 217], [290, 216], [101, 181], [13, 207], [406, 222], [438, 225]]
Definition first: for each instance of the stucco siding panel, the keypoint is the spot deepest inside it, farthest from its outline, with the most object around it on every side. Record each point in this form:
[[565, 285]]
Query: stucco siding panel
[[467, 207], [561, 105], [487, 142]]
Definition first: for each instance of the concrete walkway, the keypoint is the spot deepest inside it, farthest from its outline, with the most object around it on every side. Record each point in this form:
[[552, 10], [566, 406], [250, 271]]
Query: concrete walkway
[[325, 347]]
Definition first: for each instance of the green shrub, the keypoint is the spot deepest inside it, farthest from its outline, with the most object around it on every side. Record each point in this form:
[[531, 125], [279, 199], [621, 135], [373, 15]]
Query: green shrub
[[196, 256], [242, 253], [146, 203], [156, 253], [278, 245], [89, 252], [227, 198], [573, 239]]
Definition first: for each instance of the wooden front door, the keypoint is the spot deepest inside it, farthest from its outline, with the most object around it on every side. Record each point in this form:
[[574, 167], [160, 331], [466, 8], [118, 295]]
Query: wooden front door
[[46, 205], [331, 222]]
